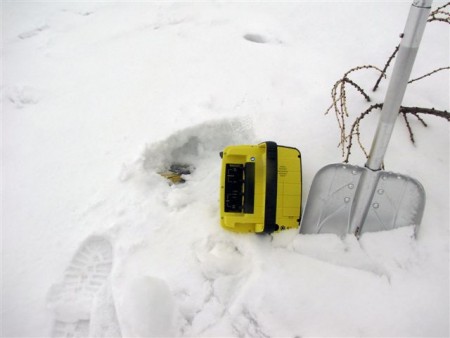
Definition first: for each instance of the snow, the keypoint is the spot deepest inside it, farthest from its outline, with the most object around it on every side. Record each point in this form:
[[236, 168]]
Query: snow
[[97, 97], [146, 308]]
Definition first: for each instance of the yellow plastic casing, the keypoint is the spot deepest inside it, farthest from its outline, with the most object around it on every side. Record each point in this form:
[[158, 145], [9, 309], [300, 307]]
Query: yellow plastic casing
[[276, 183], [289, 194]]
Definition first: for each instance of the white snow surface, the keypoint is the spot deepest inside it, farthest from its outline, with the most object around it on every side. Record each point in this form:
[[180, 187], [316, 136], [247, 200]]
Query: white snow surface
[[97, 97]]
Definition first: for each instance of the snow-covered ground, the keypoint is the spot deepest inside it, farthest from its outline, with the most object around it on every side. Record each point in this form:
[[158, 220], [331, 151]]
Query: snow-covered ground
[[99, 97]]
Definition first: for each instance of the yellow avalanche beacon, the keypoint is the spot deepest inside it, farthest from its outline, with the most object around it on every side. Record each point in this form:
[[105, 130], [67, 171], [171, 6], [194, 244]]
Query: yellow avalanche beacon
[[261, 188]]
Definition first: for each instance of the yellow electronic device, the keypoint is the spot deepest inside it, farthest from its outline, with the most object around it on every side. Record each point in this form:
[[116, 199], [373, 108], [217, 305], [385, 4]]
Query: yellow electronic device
[[261, 188]]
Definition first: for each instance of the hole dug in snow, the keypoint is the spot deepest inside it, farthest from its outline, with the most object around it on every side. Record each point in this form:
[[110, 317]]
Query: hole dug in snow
[[190, 148], [255, 38], [259, 38]]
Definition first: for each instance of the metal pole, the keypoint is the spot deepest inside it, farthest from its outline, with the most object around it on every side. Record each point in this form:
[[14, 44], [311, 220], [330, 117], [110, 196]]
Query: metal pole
[[411, 37], [415, 26]]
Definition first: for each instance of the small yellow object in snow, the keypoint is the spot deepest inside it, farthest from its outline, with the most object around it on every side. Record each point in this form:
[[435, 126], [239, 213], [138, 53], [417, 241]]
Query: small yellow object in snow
[[175, 172], [172, 177]]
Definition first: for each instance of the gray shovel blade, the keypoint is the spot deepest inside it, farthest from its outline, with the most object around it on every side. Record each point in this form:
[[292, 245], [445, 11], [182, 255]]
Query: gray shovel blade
[[398, 201]]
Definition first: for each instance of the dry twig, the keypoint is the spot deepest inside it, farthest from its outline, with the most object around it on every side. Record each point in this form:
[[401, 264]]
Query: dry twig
[[404, 111], [355, 131], [339, 100], [440, 14], [386, 66], [429, 74]]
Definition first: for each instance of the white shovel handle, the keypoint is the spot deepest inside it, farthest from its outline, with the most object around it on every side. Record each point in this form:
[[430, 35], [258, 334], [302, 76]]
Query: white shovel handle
[[412, 35], [414, 28]]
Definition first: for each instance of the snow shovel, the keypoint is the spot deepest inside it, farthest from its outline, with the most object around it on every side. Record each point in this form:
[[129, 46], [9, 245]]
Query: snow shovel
[[351, 199]]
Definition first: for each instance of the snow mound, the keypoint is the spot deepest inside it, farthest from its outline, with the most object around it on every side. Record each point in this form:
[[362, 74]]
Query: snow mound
[[146, 308]]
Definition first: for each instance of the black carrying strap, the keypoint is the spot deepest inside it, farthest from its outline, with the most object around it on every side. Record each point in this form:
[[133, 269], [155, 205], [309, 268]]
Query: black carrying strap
[[249, 188], [271, 187]]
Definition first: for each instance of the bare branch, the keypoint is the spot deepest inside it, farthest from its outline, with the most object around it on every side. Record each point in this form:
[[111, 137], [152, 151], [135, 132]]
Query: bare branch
[[415, 111], [386, 66], [440, 14], [420, 119], [355, 130], [358, 88], [361, 67], [429, 74], [408, 126], [430, 111], [339, 101], [339, 105]]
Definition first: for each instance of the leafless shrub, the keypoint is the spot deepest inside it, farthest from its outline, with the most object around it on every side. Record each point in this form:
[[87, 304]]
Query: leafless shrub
[[339, 98]]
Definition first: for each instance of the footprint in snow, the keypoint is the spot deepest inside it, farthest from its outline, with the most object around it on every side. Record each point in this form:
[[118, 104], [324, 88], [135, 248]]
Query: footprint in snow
[[80, 13], [85, 13], [85, 279], [22, 96], [33, 32], [258, 38]]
